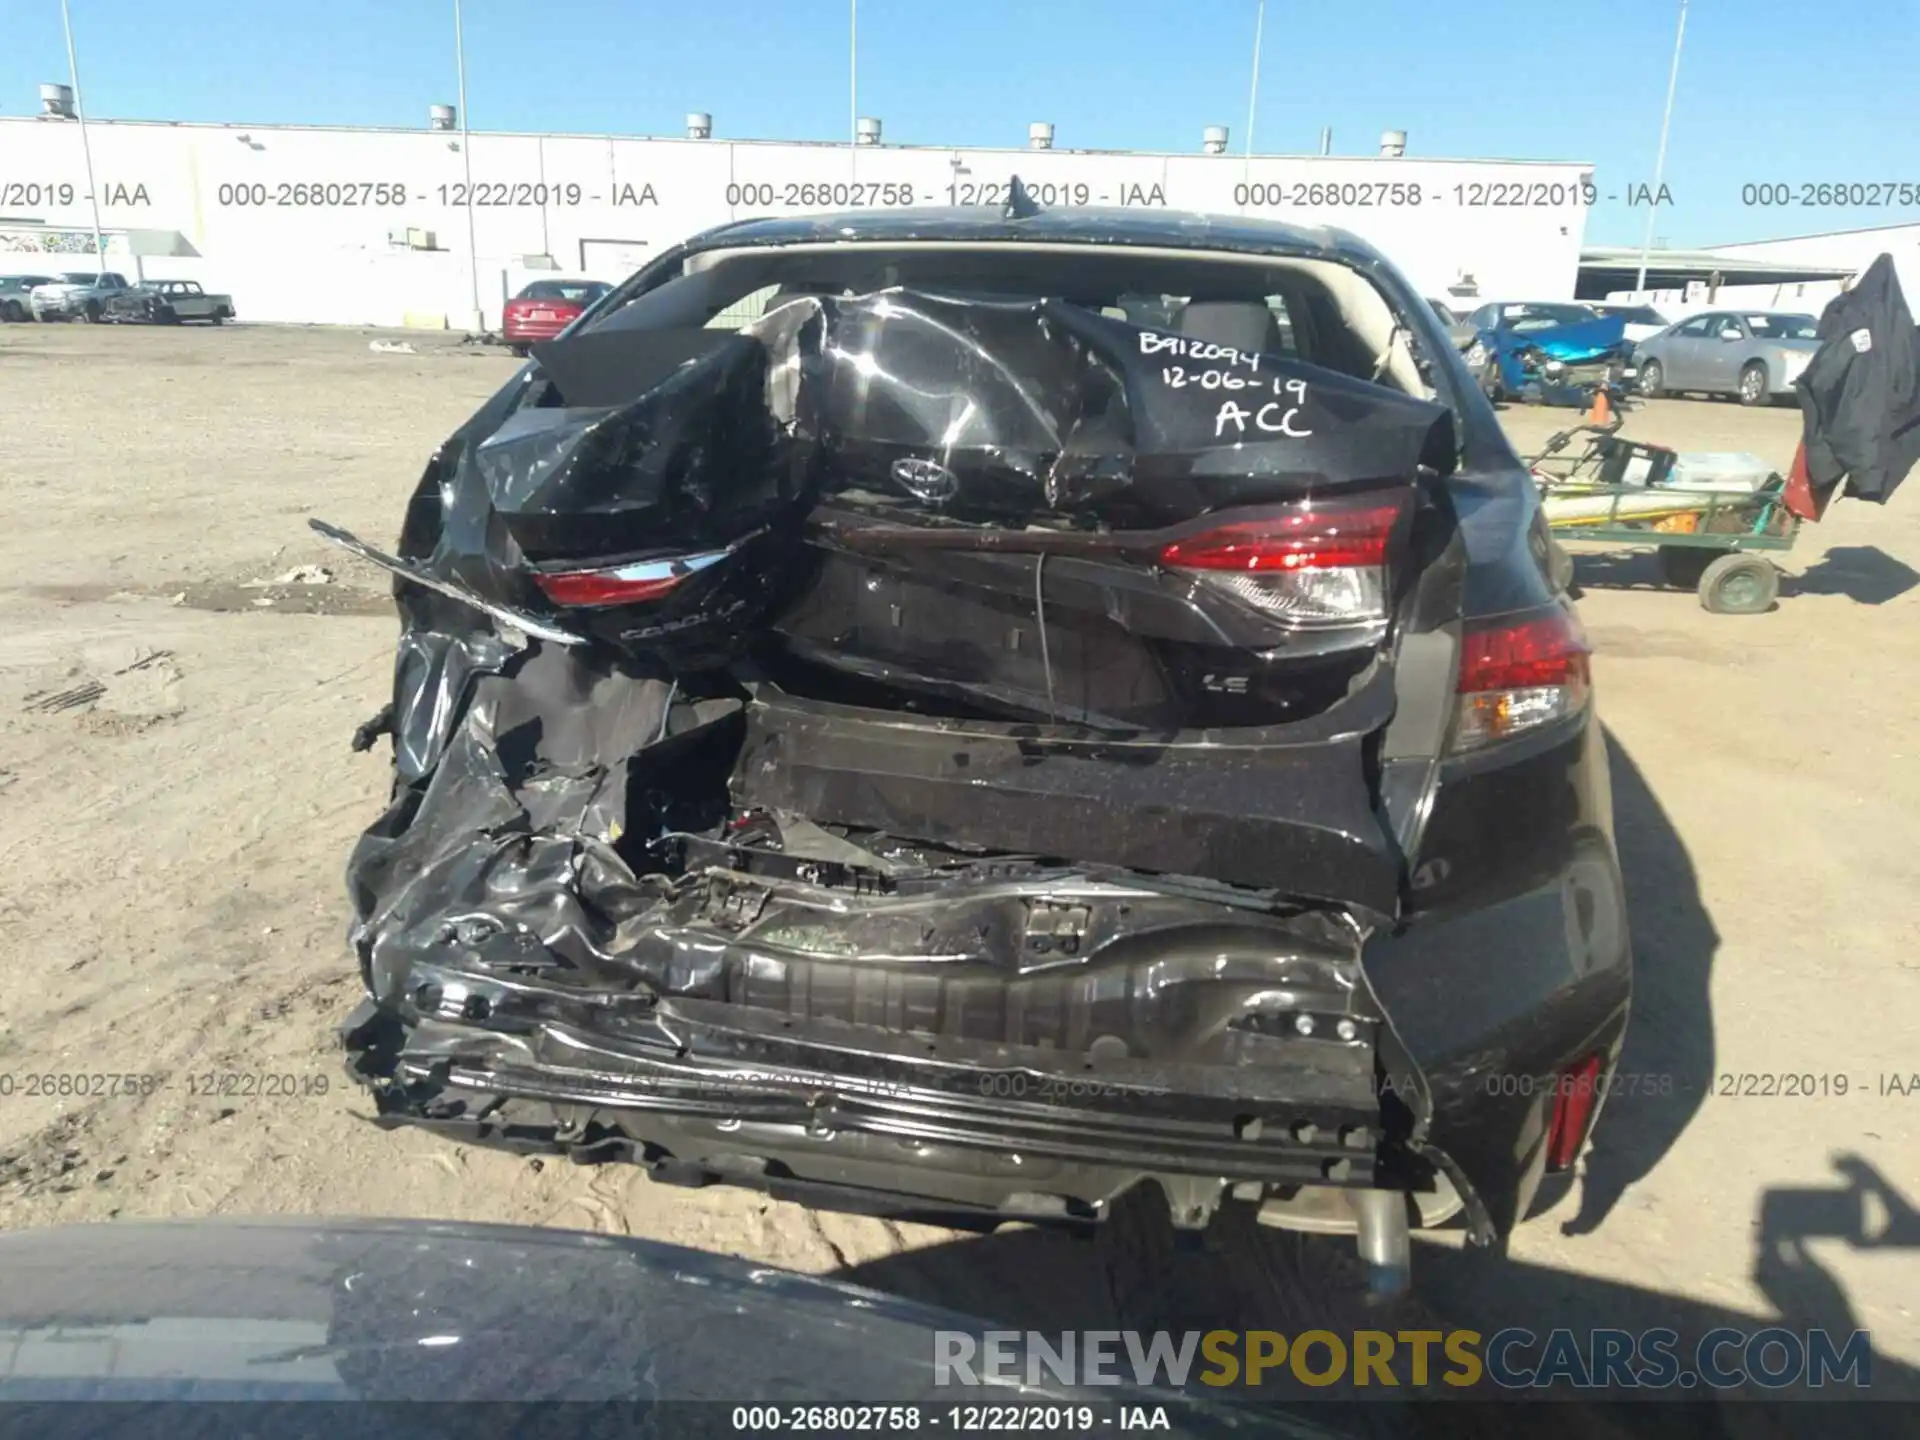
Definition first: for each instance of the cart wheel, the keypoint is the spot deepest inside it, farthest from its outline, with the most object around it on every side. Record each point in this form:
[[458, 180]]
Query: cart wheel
[[1739, 584], [1681, 566]]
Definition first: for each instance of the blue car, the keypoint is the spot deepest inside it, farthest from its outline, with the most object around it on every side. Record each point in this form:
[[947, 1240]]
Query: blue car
[[1546, 352]]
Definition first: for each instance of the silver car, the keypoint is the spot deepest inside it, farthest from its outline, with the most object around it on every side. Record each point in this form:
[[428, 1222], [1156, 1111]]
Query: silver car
[[16, 292], [1753, 354]]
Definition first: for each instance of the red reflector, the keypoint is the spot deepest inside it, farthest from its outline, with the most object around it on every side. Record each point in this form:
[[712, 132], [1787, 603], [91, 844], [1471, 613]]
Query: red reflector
[[1574, 1098], [1547, 649], [602, 587], [1320, 537]]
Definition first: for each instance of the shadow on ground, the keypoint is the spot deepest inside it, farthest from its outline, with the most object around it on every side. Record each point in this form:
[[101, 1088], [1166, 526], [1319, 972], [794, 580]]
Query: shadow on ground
[[1865, 574], [1666, 1065], [1132, 1276]]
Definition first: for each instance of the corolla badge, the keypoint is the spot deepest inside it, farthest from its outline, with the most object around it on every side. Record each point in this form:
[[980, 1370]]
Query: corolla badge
[[926, 480]]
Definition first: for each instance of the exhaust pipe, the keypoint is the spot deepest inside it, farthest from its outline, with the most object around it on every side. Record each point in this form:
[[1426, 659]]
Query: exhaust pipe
[[1385, 1240]]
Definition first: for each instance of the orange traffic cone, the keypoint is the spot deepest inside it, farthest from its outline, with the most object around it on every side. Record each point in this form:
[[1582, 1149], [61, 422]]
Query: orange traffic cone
[[1602, 411]]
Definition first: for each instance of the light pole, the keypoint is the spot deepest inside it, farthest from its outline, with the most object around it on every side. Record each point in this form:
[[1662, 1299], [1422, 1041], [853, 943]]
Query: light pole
[[1660, 162], [477, 322], [1253, 89], [86, 150]]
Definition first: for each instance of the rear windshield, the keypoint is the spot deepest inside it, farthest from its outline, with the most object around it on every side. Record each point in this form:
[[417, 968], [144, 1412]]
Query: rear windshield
[[1635, 314], [1544, 317], [576, 292], [1320, 310]]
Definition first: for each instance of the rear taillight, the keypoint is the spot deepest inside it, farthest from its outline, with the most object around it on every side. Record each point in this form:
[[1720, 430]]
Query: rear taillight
[[633, 584], [1575, 1095], [1519, 674], [1324, 563]]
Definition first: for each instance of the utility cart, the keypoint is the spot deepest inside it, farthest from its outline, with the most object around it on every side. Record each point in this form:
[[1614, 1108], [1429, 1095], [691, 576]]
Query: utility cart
[[1710, 518]]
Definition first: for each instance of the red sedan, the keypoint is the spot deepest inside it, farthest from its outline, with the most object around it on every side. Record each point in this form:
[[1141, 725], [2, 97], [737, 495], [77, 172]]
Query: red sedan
[[545, 308]]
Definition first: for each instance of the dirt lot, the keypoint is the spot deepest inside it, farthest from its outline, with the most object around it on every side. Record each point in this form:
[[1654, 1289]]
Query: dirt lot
[[177, 799]]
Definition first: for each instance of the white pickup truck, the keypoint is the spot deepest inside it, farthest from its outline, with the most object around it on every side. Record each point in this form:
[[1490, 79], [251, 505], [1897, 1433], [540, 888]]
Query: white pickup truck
[[81, 294]]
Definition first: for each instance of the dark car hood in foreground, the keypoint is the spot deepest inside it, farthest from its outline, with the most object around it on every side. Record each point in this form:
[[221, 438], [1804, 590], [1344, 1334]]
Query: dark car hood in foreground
[[393, 1310]]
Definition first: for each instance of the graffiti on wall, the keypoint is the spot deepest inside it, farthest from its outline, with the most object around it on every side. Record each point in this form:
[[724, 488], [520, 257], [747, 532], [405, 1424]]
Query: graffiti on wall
[[38, 241]]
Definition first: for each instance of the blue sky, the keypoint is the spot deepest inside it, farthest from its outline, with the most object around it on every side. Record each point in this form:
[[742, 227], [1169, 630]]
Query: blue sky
[[1770, 90]]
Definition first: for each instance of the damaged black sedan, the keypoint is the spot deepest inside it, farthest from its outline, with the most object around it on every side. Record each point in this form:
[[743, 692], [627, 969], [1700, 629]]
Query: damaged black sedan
[[958, 715]]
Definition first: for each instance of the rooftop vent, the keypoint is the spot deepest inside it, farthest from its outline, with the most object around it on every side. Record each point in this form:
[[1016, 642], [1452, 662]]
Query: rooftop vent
[[1040, 135], [442, 117], [56, 102], [1393, 143], [1213, 140], [699, 125], [866, 131]]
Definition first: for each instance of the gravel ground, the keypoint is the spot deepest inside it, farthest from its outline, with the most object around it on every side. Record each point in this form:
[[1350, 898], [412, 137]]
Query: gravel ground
[[177, 800]]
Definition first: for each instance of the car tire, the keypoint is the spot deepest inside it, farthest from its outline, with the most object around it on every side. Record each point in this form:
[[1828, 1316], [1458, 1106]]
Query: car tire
[[520, 350], [92, 313], [1755, 389], [218, 317], [1739, 584], [1650, 379]]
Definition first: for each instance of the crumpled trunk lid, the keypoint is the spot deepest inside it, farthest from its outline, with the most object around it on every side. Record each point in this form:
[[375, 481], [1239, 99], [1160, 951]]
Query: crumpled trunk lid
[[965, 725], [1004, 575]]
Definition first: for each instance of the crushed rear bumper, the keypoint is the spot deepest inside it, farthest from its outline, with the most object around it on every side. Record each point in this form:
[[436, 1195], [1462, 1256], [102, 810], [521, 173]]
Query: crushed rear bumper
[[873, 1088], [865, 1119]]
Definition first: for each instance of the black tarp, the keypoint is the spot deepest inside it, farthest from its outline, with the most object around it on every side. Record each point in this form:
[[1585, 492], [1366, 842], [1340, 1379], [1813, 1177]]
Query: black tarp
[[1860, 395]]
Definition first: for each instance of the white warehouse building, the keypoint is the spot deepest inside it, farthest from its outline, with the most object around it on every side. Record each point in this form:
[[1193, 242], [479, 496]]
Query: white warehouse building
[[375, 226]]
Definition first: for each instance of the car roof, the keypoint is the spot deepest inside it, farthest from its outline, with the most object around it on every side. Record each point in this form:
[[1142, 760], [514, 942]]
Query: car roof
[[1090, 225]]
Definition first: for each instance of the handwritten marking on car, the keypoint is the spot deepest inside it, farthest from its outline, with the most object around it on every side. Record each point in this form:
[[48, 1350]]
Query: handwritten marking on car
[[1269, 417]]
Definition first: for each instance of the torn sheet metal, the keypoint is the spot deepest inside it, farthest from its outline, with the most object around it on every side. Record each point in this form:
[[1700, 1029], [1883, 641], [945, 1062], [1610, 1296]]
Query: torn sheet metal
[[1052, 801], [626, 451], [1038, 426], [981, 408], [509, 618], [1018, 409]]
